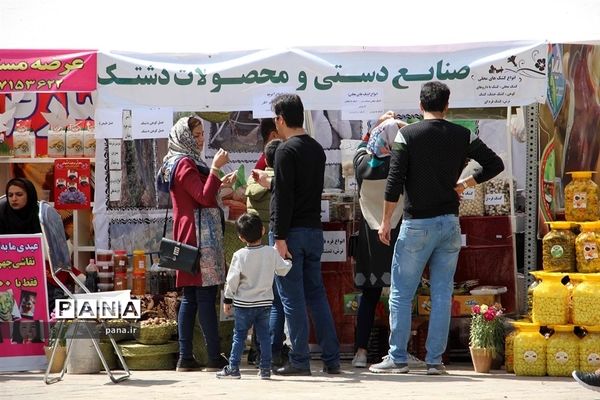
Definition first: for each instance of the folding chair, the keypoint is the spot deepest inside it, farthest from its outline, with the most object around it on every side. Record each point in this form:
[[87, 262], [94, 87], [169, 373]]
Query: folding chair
[[60, 260]]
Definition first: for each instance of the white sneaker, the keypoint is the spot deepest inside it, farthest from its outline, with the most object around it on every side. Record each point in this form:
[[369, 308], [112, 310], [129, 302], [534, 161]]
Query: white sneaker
[[359, 361], [387, 365], [436, 369], [414, 362]]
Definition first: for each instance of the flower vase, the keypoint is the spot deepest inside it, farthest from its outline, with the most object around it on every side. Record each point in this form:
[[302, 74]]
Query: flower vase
[[59, 358], [482, 359]]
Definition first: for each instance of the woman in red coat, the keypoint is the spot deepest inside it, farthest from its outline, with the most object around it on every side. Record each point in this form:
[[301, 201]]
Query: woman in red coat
[[194, 186]]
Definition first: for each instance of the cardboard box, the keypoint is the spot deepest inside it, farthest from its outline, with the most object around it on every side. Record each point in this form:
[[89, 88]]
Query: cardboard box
[[461, 304], [352, 300]]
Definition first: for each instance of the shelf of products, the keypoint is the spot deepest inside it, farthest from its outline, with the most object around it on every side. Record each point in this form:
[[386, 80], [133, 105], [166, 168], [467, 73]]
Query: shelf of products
[[82, 235]]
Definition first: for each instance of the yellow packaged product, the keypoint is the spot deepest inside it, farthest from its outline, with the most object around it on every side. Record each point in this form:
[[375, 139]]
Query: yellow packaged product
[[581, 197], [558, 248], [586, 247], [509, 352], [562, 351], [586, 298], [589, 350], [529, 350], [550, 299]]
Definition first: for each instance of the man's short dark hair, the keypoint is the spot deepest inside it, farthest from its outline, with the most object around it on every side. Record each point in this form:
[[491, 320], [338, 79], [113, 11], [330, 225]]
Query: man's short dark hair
[[267, 125], [290, 107], [434, 96], [249, 227], [270, 149]]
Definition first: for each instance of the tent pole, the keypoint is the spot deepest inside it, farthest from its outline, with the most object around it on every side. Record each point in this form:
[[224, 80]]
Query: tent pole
[[531, 195]]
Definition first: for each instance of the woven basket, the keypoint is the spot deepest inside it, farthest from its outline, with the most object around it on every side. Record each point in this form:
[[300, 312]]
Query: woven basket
[[156, 334], [150, 357]]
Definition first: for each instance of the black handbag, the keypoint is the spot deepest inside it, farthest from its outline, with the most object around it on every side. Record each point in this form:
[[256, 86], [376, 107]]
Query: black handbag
[[177, 255]]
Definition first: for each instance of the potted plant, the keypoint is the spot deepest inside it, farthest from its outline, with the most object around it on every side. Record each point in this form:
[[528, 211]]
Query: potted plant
[[486, 337]]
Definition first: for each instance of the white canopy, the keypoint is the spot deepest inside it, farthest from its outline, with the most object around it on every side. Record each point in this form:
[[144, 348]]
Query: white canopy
[[183, 26]]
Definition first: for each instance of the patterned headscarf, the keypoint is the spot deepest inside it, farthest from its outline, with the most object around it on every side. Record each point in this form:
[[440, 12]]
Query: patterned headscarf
[[181, 144], [381, 138]]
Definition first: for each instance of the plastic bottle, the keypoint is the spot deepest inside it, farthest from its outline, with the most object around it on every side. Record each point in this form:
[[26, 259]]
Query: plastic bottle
[[550, 299], [562, 351], [529, 350], [139, 273], [91, 276]]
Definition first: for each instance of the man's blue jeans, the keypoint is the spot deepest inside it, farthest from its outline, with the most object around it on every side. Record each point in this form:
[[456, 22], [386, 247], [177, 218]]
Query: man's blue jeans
[[199, 300], [244, 319], [303, 287], [435, 241]]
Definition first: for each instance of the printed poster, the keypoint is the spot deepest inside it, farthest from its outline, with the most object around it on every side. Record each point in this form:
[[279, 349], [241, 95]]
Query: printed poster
[[72, 179], [23, 303]]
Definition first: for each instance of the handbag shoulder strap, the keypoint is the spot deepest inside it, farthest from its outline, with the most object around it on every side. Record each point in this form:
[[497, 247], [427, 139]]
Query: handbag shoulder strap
[[166, 216]]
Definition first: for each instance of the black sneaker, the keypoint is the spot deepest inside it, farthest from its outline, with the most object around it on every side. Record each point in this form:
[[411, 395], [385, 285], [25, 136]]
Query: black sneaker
[[264, 373], [187, 365], [290, 370], [229, 373], [589, 380], [332, 370], [277, 361], [216, 365]]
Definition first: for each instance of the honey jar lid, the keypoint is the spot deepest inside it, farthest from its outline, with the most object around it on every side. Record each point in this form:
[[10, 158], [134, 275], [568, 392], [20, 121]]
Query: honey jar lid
[[590, 226], [561, 224], [581, 174]]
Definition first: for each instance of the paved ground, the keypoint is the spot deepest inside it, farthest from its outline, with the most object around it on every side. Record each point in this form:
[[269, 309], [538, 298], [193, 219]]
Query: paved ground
[[462, 383]]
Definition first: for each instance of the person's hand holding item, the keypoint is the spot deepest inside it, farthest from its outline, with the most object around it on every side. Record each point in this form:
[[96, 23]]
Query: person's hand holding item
[[228, 309], [229, 179], [262, 178], [220, 159]]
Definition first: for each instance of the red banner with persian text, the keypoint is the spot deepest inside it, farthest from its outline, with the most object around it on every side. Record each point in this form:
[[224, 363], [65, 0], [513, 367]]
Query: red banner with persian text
[[47, 70]]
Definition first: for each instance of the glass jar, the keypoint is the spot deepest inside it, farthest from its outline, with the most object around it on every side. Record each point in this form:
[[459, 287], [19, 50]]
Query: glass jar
[[586, 247], [529, 350], [586, 297], [589, 350], [104, 263], [558, 248], [120, 262], [562, 351], [581, 197], [550, 299], [138, 285]]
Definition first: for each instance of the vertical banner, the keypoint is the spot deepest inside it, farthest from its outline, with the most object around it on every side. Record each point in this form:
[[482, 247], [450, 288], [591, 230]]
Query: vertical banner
[[72, 184], [48, 70], [23, 303]]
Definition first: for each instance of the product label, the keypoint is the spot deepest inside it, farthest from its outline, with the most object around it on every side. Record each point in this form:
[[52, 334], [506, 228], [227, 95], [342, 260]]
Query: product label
[[590, 250], [580, 200], [561, 357], [468, 194], [557, 251], [494, 199], [593, 359], [530, 356]]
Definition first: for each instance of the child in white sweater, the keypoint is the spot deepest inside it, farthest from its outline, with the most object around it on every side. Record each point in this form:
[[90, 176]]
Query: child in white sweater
[[249, 293]]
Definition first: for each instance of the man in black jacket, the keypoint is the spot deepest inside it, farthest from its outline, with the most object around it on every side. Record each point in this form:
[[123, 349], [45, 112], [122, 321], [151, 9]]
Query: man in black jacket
[[427, 160]]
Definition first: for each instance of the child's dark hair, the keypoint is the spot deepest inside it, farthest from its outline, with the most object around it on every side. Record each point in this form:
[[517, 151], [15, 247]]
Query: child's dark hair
[[249, 227], [270, 149]]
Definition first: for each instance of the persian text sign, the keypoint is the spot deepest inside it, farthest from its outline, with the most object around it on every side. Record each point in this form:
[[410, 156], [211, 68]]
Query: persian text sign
[[23, 298], [509, 74], [47, 70]]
